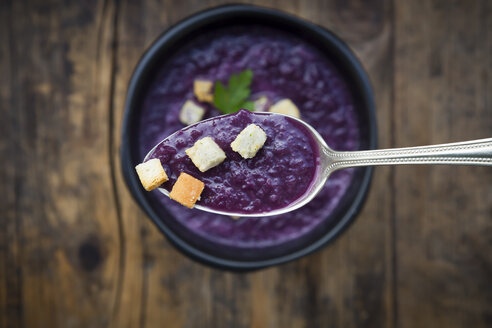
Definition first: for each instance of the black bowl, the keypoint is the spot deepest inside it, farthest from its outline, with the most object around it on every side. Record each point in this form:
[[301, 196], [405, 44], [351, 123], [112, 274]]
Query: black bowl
[[167, 44]]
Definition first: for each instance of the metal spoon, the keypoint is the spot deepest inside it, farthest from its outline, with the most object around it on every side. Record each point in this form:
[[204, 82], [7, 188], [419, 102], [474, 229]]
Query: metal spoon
[[474, 152]]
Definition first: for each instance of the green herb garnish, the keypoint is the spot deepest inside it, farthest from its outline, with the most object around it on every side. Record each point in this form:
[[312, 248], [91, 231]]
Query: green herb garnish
[[229, 99]]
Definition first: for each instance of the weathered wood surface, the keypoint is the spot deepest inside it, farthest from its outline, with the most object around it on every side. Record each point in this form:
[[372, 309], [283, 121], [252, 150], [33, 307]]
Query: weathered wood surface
[[76, 251], [443, 215]]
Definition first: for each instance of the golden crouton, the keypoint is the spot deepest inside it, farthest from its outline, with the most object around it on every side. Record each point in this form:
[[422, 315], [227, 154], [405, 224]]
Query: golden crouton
[[203, 90], [187, 190], [286, 107], [151, 174]]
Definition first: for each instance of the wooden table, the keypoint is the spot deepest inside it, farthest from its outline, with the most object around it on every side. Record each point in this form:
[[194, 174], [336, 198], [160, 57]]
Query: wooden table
[[76, 250]]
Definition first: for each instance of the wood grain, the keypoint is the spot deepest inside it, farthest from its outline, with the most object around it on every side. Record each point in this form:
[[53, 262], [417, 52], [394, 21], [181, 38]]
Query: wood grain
[[76, 250], [443, 225], [10, 280], [61, 222]]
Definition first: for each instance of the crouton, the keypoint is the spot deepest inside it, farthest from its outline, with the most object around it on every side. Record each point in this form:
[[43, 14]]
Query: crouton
[[249, 141], [151, 174], [187, 190], [206, 154], [191, 113], [261, 104], [286, 107], [203, 90]]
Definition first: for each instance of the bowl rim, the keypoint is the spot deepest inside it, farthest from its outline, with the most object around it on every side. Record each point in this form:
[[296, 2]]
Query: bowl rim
[[131, 178]]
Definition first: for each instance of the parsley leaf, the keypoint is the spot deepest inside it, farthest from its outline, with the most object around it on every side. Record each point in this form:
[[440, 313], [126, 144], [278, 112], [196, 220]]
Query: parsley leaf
[[229, 99]]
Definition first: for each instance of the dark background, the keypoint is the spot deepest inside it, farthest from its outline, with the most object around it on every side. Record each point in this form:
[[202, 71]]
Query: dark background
[[76, 251]]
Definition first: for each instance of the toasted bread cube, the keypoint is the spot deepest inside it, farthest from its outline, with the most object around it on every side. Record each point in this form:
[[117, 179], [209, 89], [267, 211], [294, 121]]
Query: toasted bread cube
[[203, 90], [261, 104], [191, 113], [187, 190], [151, 174], [206, 154], [249, 141], [286, 107]]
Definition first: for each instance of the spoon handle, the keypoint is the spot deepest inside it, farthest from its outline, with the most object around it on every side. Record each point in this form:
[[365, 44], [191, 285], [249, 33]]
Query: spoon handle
[[474, 152]]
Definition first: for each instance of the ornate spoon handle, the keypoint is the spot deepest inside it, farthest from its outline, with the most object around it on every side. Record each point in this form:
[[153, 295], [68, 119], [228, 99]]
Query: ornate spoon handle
[[474, 152]]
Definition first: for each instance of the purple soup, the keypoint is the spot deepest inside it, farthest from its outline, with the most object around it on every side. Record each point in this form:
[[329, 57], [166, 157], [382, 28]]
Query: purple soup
[[284, 66], [279, 174]]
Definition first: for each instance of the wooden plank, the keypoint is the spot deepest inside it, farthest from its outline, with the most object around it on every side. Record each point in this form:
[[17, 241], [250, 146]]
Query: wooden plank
[[62, 231], [10, 280], [347, 284], [443, 227]]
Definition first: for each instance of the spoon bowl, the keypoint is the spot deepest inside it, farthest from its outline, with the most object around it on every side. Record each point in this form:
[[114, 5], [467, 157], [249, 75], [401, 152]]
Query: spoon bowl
[[474, 152]]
